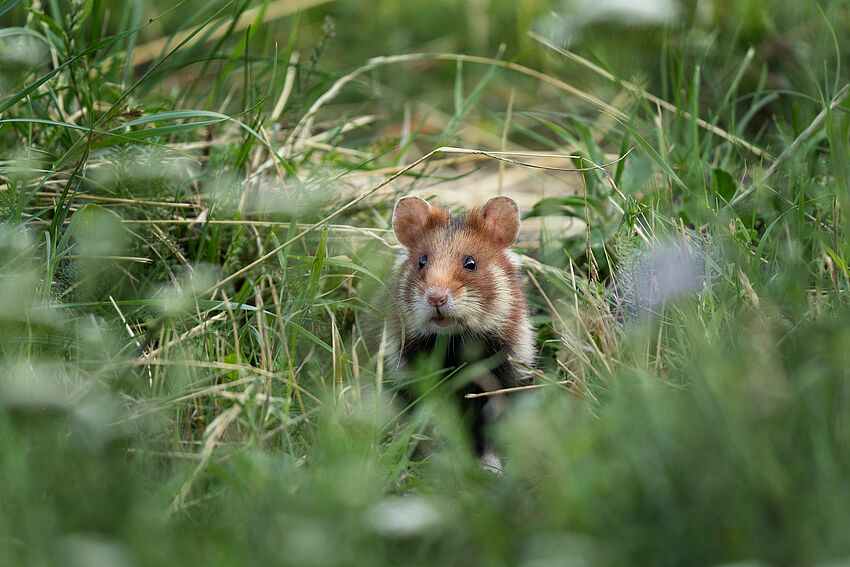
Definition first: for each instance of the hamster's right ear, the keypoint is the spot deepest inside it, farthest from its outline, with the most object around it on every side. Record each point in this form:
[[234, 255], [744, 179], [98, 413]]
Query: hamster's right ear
[[410, 215]]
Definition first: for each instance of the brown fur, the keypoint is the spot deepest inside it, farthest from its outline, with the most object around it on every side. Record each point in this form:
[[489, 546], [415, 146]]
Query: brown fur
[[484, 307]]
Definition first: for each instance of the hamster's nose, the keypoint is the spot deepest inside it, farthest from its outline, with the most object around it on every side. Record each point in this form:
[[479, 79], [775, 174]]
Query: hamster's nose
[[437, 296]]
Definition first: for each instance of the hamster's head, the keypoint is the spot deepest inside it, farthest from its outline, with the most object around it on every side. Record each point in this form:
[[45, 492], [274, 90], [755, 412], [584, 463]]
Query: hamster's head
[[456, 275]]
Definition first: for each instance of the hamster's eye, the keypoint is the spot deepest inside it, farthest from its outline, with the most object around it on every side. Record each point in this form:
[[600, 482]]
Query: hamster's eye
[[469, 264], [422, 261]]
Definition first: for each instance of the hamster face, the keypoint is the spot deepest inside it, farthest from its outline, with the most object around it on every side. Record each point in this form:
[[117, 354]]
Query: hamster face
[[452, 281], [457, 275]]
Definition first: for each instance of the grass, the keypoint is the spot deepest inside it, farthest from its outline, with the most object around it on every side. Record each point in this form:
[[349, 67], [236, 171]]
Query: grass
[[194, 233]]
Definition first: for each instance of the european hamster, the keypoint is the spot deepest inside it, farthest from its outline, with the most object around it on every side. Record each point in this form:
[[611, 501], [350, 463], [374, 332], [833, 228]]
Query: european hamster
[[459, 303]]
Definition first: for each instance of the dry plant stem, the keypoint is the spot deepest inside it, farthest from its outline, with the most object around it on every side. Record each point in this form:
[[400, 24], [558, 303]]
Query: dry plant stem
[[266, 353], [214, 432], [288, 82], [262, 336], [584, 358], [379, 368], [436, 164], [505, 139], [187, 335], [575, 296], [163, 238], [116, 200], [245, 396], [306, 359], [276, 162], [591, 259], [289, 423], [583, 329], [658, 120], [158, 378], [208, 391], [336, 355], [203, 144], [304, 126], [135, 339], [816, 125], [126, 324], [370, 232], [363, 156], [318, 138], [137, 259], [198, 198], [355, 358], [751, 293], [285, 347], [224, 366], [579, 383], [516, 389], [659, 339], [638, 91], [293, 381], [277, 9], [163, 454], [502, 156], [333, 128]]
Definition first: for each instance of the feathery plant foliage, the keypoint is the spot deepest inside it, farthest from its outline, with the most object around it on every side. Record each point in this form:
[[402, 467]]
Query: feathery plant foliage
[[195, 243]]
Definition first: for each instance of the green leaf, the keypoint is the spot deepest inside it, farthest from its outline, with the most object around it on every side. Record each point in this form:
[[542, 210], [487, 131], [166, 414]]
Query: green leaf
[[723, 184], [341, 263], [318, 262], [14, 31], [656, 157], [98, 231], [571, 206], [49, 22], [7, 5]]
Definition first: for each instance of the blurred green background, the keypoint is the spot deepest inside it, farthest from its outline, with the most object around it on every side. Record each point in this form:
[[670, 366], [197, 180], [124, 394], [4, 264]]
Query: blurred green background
[[191, 314]]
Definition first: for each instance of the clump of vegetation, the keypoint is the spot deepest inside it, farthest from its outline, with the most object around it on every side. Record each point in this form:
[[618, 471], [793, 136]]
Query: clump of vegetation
[[194, 234]]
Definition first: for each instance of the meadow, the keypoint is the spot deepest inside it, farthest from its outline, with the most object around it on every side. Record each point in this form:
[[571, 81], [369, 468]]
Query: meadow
[[195, 245]]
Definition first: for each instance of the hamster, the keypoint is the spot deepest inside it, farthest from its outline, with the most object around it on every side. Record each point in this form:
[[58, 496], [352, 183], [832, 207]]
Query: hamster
[[459, 304]]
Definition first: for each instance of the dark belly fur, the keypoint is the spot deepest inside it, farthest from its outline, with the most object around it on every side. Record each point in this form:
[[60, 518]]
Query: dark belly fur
[[481, 363]]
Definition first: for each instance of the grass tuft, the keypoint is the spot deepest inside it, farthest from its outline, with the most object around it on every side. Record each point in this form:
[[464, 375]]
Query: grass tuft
[[195, 244]]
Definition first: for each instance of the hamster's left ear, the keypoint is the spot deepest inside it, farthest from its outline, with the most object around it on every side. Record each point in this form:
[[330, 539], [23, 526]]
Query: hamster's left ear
[[501, 220], [410, 216]]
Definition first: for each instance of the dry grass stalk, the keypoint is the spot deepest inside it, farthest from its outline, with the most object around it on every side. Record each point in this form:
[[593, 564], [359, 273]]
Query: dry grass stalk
[[275, 10], [638, 91]]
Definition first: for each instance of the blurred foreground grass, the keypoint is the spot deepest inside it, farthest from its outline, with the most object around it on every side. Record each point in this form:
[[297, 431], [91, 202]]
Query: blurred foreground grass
[[190, 313]]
